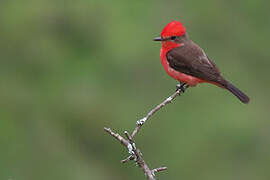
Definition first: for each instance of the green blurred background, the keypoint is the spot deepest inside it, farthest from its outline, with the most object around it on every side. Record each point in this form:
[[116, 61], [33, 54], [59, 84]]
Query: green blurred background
[[69, 68]]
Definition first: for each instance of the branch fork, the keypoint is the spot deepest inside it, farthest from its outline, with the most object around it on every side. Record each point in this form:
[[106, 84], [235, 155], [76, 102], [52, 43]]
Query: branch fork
[[134, 153]]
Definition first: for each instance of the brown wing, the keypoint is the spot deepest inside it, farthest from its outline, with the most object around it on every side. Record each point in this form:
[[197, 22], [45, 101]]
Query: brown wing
[[191, 59]]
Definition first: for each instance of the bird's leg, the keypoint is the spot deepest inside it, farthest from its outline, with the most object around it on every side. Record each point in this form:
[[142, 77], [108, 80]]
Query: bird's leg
[[182, 87]]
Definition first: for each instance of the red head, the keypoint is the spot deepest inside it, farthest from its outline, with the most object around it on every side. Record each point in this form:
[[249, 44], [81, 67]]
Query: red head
[[170, 32], [174, 28]]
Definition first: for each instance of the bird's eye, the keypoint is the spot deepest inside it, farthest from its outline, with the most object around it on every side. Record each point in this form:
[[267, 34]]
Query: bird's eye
[[173, 37]]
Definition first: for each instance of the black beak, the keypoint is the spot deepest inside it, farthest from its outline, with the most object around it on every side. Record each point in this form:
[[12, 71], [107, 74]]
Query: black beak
[[158, 39]]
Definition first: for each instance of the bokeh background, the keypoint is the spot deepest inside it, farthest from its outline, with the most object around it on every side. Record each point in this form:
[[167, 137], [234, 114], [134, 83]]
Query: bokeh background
[[69, 68]]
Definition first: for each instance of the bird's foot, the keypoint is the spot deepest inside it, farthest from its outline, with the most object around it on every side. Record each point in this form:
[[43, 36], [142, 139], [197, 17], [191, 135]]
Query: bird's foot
[[181, 87]]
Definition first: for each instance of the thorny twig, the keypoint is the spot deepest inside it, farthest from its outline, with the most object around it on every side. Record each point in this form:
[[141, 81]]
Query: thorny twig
[[135, 153]]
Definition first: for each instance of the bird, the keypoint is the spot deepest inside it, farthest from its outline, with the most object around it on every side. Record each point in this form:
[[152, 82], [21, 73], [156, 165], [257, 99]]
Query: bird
[[187, 63]]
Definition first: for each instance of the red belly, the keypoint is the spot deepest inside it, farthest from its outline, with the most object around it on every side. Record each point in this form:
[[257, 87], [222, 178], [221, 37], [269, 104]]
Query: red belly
[[181, 77]]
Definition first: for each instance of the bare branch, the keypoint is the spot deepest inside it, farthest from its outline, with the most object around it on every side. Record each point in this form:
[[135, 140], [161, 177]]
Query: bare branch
[[134, 153], [159, 169], [129, 137], [158, 107], [129, 158], [117, 136]]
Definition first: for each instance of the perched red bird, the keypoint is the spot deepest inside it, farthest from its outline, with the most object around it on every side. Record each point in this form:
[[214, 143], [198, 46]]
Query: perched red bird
[[186, 62]]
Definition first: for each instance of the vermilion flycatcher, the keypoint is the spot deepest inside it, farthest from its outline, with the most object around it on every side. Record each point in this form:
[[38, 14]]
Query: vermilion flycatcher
[[186, 62]]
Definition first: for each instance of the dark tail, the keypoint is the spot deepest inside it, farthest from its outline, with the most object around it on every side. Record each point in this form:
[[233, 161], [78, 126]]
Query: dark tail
[[239, 94]]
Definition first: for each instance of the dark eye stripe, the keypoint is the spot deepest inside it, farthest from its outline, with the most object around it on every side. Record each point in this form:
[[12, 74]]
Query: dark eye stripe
[[173, 37]]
